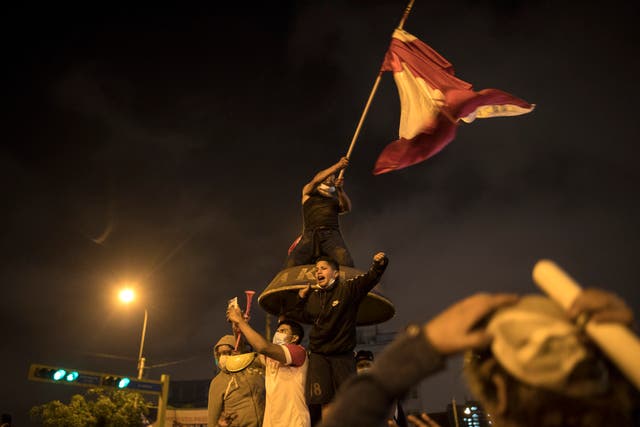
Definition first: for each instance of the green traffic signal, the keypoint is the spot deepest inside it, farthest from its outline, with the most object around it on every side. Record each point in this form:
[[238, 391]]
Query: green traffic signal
[[62, 375], [56, 374], [59, 374], [114, 381]]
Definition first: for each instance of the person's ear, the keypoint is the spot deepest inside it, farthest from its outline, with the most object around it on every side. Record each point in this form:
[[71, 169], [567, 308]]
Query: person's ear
[[336, 273], [501, 393], [294, 339]]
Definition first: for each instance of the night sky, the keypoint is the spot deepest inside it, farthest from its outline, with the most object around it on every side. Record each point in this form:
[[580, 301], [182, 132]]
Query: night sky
[[167, 146]]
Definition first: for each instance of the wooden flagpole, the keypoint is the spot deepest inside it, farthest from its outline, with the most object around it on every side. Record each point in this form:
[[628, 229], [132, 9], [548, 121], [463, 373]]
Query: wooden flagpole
[[407, 10]]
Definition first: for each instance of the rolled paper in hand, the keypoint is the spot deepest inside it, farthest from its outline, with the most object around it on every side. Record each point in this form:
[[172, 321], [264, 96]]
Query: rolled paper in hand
[[620, 344], [556, 283]]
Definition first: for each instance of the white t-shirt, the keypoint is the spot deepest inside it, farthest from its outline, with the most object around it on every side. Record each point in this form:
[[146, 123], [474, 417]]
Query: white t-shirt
[[284, 385]]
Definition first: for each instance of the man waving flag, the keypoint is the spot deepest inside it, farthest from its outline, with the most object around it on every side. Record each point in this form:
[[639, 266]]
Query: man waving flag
[[432, 102]]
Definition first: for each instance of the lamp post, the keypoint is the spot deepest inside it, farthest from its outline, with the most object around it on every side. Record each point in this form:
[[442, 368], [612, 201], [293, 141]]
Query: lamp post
[[140, 357], [127, 296]]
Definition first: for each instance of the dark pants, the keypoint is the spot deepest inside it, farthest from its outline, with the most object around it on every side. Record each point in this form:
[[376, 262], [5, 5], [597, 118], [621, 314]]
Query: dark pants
[[325, 375], [323, 241]]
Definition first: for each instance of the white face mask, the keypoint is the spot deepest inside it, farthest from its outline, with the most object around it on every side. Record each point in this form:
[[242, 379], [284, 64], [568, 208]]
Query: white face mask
[[326, 189], [362, 369], [222, 361], [280, 338]]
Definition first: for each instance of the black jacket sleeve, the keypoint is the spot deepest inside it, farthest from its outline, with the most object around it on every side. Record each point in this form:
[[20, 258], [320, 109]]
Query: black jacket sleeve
[[402, 365], [367, 281]]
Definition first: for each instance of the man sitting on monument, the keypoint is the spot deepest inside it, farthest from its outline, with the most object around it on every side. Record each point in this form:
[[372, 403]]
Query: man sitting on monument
[[323, 200]]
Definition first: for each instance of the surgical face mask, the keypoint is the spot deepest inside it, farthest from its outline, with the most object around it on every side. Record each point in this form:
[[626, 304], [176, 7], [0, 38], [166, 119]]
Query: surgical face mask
[[326, 189], [222, 361], [362, 367], [280, 338]]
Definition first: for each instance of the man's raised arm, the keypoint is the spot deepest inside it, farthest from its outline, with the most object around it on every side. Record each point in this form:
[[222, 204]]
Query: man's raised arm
[[256, 340], [324, 174]]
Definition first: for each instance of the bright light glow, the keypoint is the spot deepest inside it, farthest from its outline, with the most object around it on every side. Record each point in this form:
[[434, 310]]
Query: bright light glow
[[124, 382], [127, 295], [72, 376], [467, 410], [59, 374]]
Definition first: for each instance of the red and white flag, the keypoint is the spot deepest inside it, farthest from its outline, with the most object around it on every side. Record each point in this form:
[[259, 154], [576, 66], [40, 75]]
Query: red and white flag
[[432, 102]]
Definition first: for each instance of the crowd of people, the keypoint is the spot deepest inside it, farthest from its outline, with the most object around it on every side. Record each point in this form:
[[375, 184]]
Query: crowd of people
[[527, 359]]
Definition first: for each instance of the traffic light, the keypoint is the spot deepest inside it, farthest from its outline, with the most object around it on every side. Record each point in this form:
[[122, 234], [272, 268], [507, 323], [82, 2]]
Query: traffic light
[[115, 381], [59, 375], [63, 375], [56, 374]]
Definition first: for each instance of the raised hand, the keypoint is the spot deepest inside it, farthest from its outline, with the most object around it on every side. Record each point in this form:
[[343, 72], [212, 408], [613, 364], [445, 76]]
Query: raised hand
[[302, 293], [601, 306], [454, 330], [234, 314], [380, 258], [342, 163]]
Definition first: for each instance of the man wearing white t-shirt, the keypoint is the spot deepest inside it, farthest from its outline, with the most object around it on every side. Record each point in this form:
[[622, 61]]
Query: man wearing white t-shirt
[[286, 365]]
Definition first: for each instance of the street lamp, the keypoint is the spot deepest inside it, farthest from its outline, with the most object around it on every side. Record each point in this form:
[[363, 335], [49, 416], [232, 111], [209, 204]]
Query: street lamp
[[127, 296]]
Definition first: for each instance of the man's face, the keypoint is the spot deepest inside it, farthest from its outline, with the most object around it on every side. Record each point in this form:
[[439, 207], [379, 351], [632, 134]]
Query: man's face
[[330, 180], [325, 274], [363, 365], [223, 350], [327, 187], [286, 332]]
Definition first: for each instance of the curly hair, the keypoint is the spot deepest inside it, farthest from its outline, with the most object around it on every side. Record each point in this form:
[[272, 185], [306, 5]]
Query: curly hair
[[527, 405]]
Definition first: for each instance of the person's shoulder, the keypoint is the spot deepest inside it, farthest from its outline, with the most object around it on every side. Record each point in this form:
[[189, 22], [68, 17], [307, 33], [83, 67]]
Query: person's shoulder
[[256, 366], [219, 378], [298, 354], [295, 347]]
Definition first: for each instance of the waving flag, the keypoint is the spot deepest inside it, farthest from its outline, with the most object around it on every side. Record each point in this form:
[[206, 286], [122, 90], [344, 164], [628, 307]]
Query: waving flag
[[432, 102]]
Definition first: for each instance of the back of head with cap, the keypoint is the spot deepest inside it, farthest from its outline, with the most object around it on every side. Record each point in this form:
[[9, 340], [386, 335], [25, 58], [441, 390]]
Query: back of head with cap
[[540, 371]]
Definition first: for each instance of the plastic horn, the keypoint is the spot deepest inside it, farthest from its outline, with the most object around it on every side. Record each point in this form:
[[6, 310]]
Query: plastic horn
[[249, 295], [620, 344]]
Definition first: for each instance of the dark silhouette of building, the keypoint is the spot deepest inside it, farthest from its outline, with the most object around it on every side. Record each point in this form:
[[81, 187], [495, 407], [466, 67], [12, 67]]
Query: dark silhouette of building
[[189, 393]]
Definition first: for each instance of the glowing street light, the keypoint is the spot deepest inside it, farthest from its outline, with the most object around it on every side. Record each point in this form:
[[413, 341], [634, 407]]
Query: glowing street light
[[126, 296]]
